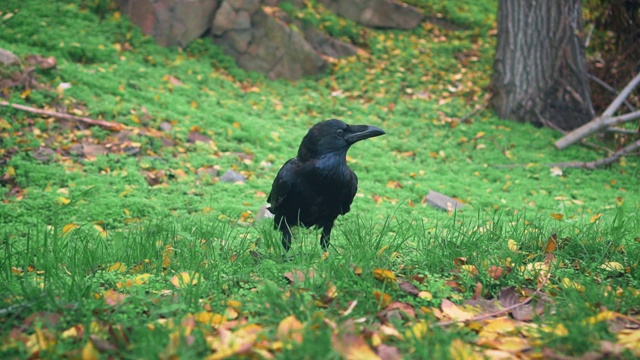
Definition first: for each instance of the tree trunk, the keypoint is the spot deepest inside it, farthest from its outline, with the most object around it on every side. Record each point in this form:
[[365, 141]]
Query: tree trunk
[[540, 74]]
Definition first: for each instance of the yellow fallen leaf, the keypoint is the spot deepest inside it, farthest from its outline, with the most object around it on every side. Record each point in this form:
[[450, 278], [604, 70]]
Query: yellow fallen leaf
[[63, 200], [141, 279], [89, 352], [418, 330], [600, 317], [557, 216], [532, 270], [118, 266], [612, 266], [382, 249], [184, 279], [454, 312], [290, 329], [4, 124], [384, 275], [595, 218], [69, 227], [630, 339], [513, 245], [208, 318], [103, 233], [459, 350]]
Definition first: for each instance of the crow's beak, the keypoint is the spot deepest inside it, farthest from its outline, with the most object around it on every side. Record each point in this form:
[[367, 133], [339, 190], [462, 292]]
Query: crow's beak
[[361, 132]]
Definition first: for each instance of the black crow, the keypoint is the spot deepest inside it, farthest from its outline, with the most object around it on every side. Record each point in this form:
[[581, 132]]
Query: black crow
[[316, 186]]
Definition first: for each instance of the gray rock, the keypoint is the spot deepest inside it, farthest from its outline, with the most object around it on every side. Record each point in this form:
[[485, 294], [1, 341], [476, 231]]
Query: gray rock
[[377, 13], [223, 18], [327, 45], [8, 58], [165, 126], [442, 202], [232, 177], [171, 22], [268, 46], [93, 150], [44, 155], [249, 5]]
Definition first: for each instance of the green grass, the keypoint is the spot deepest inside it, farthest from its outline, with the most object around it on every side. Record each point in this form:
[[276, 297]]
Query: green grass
[[57, 259]]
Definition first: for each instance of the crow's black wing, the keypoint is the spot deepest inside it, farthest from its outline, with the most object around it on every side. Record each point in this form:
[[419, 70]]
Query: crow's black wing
[[282, 184], [349, 193]]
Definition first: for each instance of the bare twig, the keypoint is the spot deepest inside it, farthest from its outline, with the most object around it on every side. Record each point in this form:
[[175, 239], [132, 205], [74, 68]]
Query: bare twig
[[600, 82], [475, 111], [501, 311], [114, 126], [618, 130], [603, 120], [588, 39], [548, 123]]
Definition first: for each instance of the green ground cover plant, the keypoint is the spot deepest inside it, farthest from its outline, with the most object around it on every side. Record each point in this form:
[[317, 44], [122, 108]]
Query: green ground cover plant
[[125, 243]]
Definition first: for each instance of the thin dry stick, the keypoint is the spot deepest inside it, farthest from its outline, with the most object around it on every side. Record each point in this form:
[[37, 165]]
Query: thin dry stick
[[501, 311], [613, 129], [102, 123], [475, 111], [599, 81]]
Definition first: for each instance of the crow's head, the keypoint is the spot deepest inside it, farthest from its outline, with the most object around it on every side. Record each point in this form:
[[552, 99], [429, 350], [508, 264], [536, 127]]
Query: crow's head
[[333, 136]]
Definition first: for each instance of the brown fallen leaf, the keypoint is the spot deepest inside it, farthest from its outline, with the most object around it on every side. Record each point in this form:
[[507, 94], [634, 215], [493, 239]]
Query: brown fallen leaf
[[495, 272], [102, 345], [388, 352], [195, 136], [526, 312], [382, 298], [409, 288], [298, 276], [352, 347], [397, 311]]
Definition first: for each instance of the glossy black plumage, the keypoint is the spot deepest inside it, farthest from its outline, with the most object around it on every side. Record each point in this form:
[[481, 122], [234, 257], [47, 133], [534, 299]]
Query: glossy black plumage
[[317, 185]]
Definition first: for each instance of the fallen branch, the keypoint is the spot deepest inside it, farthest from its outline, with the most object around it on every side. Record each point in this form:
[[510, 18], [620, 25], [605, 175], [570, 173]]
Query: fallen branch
[[556, 128], [592, 165], [603, 120], [501, 311], [598, 81], [589, 165], [114, 126]]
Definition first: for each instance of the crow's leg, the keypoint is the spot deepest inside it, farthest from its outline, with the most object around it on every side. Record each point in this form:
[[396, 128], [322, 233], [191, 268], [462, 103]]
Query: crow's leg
[[286, 238], [326, 236]]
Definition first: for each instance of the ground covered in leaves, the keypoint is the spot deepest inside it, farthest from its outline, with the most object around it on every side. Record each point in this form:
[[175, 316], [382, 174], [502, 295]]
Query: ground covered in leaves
[[138, 234]]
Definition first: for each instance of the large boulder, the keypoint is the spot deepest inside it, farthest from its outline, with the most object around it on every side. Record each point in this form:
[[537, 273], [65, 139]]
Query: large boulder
[[171, 22], [377, 13], [260, 41]]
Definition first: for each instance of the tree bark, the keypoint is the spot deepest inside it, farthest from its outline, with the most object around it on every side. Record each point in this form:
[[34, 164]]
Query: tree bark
[[540, 73]]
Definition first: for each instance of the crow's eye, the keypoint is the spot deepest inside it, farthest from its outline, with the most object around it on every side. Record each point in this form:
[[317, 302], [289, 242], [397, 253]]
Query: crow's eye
[[340, 132]]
